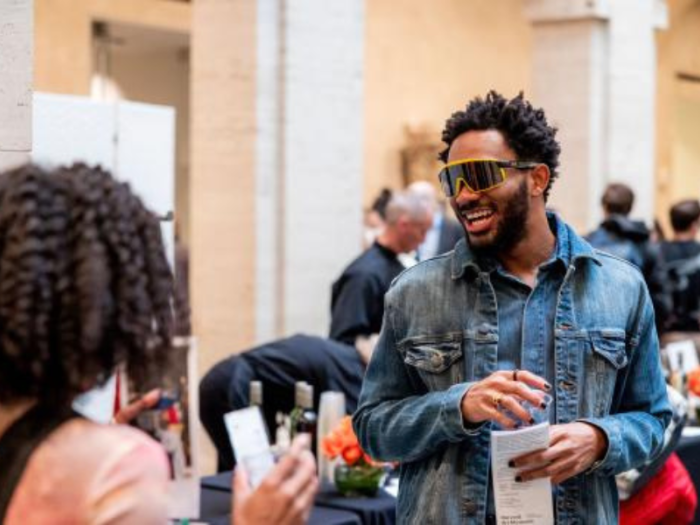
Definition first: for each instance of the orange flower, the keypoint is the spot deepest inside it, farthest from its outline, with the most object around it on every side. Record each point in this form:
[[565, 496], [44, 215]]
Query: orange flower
[[694, 381], [352, 455], [342, 441]]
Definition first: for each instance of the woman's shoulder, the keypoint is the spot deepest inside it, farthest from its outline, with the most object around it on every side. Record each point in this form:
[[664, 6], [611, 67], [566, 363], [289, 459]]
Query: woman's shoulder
[[82, 464], [101, 441]]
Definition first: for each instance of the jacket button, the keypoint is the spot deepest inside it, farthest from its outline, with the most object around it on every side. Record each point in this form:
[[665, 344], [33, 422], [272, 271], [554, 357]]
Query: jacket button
[[567, 385], [470, 507], [436, 360]]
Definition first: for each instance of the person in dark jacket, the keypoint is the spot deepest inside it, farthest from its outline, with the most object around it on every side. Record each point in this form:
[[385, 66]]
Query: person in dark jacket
[[357, 297], [630, 240], [682, 256]]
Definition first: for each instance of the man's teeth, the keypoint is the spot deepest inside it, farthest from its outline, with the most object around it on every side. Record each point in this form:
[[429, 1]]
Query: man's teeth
[[478, 215]]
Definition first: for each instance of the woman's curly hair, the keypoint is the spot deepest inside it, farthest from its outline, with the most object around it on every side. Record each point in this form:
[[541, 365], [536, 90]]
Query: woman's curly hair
[[84, 284], [524, 128]]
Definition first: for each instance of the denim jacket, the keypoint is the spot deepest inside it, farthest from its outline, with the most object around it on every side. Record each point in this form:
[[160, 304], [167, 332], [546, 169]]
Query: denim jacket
[[440, 335]]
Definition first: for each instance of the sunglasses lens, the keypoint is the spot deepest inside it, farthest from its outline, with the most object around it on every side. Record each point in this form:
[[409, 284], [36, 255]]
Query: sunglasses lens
[[479, 175]]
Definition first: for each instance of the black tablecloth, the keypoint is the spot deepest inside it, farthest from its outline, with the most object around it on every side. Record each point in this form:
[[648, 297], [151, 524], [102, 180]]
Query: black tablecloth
[[380, 510], [330, 507]]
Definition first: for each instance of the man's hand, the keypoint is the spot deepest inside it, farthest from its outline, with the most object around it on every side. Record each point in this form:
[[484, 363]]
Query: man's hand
[[573, 448], [504, 390], [132, 410], [286, 494]]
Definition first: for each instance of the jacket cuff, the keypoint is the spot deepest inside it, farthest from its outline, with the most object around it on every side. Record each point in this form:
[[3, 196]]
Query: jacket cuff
[[606, 465], [454, 424]]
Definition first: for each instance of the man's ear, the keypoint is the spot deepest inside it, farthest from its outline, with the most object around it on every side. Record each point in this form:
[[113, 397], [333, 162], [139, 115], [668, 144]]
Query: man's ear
[[540, 179]]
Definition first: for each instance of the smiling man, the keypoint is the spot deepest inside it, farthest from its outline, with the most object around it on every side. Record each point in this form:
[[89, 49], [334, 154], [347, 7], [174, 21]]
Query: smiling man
[[521, 307]]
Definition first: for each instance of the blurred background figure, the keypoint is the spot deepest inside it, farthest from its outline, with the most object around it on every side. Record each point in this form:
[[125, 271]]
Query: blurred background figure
[[630, 240], [682, 256], [357, 297], [375, 218], [445, 231], [278, 365]]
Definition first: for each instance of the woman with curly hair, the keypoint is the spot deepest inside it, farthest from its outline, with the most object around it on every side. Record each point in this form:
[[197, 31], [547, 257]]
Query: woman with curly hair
[[84, 287]]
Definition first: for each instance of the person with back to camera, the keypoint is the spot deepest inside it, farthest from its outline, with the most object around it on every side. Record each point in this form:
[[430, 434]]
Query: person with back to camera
[[521, 307], [85, 287], [682, 256], [631, 240]]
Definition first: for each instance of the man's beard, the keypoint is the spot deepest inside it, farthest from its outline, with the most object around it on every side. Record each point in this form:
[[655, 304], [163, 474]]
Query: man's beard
[[512, 227]]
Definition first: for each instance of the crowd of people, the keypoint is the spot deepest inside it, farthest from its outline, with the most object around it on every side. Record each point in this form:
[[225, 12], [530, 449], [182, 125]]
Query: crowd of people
[[439, 331]]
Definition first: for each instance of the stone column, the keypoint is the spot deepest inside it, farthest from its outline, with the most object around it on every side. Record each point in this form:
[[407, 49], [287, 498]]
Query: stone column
[[322, 145], [277, 140], [222, 187], [16, 65], [594, 73]]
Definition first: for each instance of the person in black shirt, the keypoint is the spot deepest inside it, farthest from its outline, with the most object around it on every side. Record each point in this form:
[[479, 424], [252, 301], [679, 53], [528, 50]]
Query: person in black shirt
[[682, 256], [357, 300]]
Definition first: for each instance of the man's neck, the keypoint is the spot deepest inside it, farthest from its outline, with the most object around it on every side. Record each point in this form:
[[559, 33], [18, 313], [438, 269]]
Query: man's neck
[[685, 236], [389, 241], [524, 259]]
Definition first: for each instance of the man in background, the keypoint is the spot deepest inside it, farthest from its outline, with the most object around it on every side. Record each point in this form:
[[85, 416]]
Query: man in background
[[357, 299], [445, 231], [682, 257], [630, 240]]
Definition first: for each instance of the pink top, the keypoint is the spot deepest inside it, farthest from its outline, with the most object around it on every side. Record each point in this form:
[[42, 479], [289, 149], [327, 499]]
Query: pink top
[[85, 473]]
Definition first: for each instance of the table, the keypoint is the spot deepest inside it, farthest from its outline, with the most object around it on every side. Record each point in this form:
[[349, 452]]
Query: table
[[330, 508], [689, 451]]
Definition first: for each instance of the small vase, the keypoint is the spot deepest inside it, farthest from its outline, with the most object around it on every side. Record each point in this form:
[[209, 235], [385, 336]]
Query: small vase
[[358, 481]]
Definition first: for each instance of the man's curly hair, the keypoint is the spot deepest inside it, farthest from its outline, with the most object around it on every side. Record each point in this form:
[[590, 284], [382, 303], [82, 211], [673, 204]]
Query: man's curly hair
[[84, 284], [524, 128]]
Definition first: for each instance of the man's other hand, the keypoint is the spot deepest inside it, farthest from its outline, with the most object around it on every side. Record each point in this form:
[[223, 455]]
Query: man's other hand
[[573, 448]]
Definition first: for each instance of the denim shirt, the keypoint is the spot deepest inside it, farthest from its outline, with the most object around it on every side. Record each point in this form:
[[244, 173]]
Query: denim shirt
[[440, 335], [526, 317]]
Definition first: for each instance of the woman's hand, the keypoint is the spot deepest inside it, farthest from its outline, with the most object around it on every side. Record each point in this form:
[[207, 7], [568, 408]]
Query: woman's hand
[[285, 496]]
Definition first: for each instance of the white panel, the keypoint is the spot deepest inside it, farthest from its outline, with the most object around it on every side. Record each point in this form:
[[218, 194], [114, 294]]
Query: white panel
[[146, 159], [136, 142], [16, 61], [69, 129], [146, 152]]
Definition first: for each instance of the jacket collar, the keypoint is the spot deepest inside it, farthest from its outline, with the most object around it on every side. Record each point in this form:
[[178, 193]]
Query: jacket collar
[[570, 248]]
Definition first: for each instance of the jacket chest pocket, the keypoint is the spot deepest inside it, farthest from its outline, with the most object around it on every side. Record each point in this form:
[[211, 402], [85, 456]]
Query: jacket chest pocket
[[437, 361], [607, 357]]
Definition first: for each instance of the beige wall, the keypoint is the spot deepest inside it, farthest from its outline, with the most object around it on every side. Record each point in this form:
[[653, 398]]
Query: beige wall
[[222, 183], [426, 60], [677, 133], [62, 35]]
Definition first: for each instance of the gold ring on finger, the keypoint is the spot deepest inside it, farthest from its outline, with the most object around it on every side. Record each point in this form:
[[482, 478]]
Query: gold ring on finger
[[496, 399]]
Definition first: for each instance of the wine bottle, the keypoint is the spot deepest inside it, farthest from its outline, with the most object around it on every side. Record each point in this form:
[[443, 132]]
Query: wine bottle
[[307, 420], [295, 414], [255, 394]]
